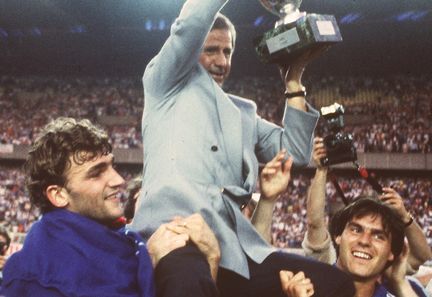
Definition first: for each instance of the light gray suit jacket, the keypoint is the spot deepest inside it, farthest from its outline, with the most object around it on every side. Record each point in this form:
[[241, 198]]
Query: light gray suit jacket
[[199, 140]]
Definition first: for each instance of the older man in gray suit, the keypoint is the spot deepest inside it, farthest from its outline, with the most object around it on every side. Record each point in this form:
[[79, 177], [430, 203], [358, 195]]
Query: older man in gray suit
[[202, 148]]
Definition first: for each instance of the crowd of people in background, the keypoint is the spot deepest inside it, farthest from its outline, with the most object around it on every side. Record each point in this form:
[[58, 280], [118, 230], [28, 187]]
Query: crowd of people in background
[[16, 212], [392, 114], [289, 224], [388, 115], [89, 98]]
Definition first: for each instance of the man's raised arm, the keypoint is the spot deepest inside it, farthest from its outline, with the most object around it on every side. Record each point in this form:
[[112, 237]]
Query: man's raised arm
[[317, 242], [180, 53]]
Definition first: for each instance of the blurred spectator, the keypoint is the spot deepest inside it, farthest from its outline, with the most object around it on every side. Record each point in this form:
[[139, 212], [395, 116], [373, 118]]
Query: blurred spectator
[[134, 190], [16, 211], [4, 246]]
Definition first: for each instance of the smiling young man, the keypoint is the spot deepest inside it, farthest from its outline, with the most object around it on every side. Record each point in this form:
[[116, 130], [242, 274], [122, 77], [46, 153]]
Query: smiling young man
[[366, 248], [367, 220], [92, 188], [73, 250], [317, 241], [369, 238]]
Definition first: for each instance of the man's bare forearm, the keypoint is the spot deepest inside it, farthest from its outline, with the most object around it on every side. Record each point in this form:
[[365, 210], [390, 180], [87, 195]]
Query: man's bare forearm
[[315, 208]]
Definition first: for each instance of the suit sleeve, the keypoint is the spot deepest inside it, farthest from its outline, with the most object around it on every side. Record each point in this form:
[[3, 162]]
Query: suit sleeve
[[296, 136], [170, 69]]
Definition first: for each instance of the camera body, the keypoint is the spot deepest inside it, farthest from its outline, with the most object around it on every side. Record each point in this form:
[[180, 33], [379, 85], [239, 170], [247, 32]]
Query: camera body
[[339, 145]]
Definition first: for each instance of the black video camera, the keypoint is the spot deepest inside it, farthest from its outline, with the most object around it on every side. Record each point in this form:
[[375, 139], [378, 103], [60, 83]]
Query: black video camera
[[339, 145]]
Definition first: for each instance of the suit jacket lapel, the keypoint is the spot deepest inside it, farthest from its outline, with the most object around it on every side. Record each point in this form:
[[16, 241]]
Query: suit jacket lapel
[[230, 120]]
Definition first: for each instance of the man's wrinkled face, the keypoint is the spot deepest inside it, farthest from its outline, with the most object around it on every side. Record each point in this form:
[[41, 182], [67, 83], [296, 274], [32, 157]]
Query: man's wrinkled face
[[364, 247], [216, 54], [93, 189]]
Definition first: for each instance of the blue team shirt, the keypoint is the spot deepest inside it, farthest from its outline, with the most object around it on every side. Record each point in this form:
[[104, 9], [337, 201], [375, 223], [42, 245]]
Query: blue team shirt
[[66, 254]]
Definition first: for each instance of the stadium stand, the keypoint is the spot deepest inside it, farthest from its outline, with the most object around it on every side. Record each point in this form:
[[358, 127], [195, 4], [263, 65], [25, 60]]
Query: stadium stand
[[389, 118]]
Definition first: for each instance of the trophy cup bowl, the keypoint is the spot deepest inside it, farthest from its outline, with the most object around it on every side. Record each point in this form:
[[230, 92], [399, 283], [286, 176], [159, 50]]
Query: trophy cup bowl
[[287, 10], [294, 32]]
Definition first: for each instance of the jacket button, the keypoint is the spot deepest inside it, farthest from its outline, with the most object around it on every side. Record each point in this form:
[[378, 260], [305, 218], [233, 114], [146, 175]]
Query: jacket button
[[214, 148]]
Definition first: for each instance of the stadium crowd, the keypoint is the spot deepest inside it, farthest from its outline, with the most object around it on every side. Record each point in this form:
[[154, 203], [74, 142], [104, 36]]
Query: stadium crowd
[[393, 114], [289, 224], [88, 98]]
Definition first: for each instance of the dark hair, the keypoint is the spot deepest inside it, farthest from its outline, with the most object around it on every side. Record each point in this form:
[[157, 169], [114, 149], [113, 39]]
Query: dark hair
[[49, 158], [363, 206], [5, 234], [223, 23], [133, 187]]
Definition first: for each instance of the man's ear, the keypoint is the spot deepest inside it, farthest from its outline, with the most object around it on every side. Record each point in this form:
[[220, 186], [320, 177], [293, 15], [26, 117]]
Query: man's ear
[[338, 240], [57, 196], [390, 257]]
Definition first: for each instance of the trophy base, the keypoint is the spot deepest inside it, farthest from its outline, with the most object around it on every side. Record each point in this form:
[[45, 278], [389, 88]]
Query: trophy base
[[285, 42]]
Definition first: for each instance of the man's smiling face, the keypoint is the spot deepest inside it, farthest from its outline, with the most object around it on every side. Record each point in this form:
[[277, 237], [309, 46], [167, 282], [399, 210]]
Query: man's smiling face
[[93, 189], [216, 54], [364, 247]]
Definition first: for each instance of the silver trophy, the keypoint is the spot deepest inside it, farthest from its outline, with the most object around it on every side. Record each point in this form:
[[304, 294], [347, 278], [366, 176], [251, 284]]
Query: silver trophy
[[295, 32]]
